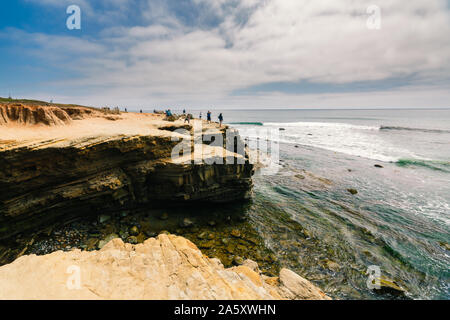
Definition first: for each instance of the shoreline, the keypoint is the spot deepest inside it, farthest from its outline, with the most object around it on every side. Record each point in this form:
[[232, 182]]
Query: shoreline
[[49, 149]]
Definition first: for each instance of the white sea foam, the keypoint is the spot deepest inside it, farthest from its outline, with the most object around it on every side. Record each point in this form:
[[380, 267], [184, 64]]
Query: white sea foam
[[355, 140]]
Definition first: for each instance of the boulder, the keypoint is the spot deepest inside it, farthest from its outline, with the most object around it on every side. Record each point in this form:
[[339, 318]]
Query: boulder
[[162, 268]]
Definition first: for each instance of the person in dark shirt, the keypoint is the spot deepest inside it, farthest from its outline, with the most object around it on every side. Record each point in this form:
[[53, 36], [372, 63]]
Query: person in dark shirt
[[208, 116], [220, 119]]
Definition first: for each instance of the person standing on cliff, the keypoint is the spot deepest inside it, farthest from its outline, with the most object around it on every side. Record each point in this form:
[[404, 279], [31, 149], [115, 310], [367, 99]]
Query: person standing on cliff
[[208, 116], [220, 119]]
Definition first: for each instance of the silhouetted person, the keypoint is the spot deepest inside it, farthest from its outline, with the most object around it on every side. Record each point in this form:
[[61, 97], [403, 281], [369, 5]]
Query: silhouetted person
[[208, 116], [220, 119]]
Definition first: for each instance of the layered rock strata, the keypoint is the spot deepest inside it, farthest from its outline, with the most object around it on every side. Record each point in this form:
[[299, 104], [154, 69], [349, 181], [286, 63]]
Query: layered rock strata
[[100, 164]]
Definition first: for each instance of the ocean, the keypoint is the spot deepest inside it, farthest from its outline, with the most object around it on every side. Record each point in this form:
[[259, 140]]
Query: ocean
[[398, 161], [353, 191]]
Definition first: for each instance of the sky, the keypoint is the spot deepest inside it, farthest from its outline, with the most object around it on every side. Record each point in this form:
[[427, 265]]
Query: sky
[[227, 54]]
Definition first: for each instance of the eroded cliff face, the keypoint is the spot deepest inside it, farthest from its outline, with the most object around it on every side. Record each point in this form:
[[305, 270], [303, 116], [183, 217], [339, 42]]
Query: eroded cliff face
[[166, 267], [100, 164], [17, 113]]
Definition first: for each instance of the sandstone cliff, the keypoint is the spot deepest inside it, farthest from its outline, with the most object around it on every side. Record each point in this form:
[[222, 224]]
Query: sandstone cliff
[[87, 162], [167, 267]]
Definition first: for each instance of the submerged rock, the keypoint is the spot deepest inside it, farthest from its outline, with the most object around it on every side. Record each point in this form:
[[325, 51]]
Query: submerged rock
[[389, 286], [353, 191], [186, 223], [108, 238], [134, 231], [238, 261], [445, 245], [236, 233], [378, 166], [103, 218], [132, 240], [150, 234], [164, 216]]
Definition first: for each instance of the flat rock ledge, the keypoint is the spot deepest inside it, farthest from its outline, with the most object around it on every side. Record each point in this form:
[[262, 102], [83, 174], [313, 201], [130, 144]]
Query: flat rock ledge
[[166, 267]]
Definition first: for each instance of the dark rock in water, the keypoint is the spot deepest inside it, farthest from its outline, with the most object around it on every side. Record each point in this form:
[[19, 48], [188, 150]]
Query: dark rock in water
[[206, 245], [103, 242], [124, 235], [236, 233], [444, 245], [388, 286], [378, 166], [134, 231], [349, 170], [150, 234], [164, 216], [132, 240], [367, 254], [353, 191], [186, 223], [310, 134], [282, 129], [140, 238], [230, 248], [331, 265], [238, 261], [103, 218], [203, 235], [297, 146], [91, 244], [242, 218]]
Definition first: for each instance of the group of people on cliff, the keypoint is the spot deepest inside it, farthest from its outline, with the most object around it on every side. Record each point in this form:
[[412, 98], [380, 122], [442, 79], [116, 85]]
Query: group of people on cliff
[[188, 117], [208, 117]]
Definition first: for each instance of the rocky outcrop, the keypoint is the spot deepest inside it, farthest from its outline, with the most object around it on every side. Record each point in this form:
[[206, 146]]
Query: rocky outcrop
[[167, 267], [97, 165], [19, 114]]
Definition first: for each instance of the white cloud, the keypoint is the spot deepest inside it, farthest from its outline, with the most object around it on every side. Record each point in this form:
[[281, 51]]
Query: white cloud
[[324, 41]]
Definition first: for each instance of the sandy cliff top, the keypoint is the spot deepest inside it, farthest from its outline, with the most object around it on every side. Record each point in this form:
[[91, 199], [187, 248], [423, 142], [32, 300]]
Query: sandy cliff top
[[36, 126]]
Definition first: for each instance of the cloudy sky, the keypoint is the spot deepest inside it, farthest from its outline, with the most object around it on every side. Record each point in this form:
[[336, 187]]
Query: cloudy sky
[[228, 53]]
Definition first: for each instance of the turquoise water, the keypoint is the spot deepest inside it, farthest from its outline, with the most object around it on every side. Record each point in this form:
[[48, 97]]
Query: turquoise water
[[400, 218]]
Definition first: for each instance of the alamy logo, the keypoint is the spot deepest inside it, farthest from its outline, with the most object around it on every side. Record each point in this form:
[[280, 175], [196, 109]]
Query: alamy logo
[[374, 20], [373, 279], [74, 280], [74, 20], [212, 146]]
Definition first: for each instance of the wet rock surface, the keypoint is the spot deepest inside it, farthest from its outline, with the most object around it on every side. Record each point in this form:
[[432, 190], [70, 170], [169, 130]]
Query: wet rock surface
[[231, 239]]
